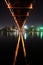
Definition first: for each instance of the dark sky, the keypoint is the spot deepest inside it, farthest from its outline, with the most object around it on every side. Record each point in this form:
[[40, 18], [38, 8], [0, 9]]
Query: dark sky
[[35, 18]]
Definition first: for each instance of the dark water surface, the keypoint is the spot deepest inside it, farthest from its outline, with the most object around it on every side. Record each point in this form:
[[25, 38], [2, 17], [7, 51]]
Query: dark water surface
[[34, 49]]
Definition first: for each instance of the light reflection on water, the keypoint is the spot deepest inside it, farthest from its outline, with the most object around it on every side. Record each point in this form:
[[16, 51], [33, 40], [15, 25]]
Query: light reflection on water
[[25, 34], [29, 44], [32, 35]]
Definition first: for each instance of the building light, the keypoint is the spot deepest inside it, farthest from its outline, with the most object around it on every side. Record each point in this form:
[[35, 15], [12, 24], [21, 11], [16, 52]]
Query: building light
[[25, 27]]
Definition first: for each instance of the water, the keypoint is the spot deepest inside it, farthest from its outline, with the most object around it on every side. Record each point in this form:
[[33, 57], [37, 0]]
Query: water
[[34, 49]]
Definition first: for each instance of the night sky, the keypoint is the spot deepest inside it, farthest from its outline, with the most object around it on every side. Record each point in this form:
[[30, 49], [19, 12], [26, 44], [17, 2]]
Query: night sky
[[35, 18]]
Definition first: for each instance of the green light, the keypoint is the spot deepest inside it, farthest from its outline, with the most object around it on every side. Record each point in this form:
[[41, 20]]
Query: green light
[[41, 35], [41, 27], [40, 31]]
